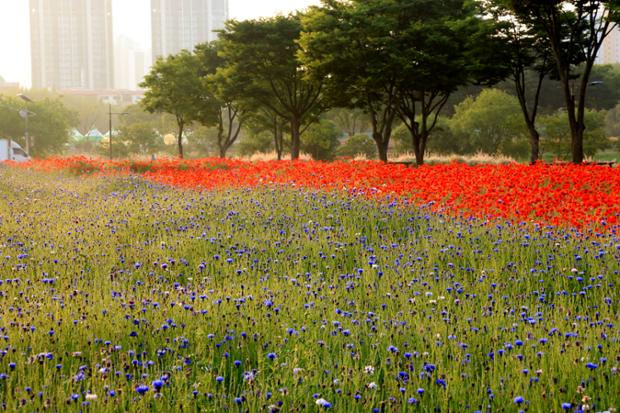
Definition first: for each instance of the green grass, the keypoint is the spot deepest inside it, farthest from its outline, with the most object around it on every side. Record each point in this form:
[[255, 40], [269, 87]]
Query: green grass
[[350, 277]]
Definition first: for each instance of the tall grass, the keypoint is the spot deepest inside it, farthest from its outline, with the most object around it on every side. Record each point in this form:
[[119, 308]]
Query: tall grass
[[291, 300]]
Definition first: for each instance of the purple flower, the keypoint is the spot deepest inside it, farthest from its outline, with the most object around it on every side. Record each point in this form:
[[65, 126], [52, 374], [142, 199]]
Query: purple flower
[[141, 389], [518, 400]]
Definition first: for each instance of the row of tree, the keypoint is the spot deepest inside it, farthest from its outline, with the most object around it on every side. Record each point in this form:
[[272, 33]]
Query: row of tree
[[49, 123], [397, 60]]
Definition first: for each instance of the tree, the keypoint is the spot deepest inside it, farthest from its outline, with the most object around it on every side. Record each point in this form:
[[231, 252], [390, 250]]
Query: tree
[[556, 135], [140, 138], [11, 125], [604, 91], [264, 120], [171, 87], [530, 64], [321, 140], [491, 123], [574, 30], [48, 126], [261, 57], [350, 121], [358, 145], [439, 46], [343, 43], [612, 122], [399, 58], [221, 101]]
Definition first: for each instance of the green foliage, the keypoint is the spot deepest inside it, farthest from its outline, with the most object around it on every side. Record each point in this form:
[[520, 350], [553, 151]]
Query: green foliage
[[261, 58], [442, 140], [343, 44], [358, 145], [173, 86], [399, 57], [11, 125], [574, 30], [491, 123], [49, 124], [612, 121], [604, 92], [321, 140], [140, 138], [255, 141], [349, 121], [556, 136], [401, 140]]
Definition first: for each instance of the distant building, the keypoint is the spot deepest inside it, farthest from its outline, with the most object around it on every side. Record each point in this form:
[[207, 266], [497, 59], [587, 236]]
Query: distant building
[[107, 96], [71, 44], [130, 61], [182, 24], [610, 49]]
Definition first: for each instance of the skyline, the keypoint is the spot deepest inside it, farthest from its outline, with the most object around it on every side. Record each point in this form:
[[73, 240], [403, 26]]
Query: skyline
[[15, 65]]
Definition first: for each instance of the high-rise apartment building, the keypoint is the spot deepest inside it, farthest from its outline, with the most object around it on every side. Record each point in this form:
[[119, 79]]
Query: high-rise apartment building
[[130, 61], [71, 44], [182, 24], [610, 49]]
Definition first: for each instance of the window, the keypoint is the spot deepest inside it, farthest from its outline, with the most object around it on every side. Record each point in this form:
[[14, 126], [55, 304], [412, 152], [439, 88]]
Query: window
[[19, 152]]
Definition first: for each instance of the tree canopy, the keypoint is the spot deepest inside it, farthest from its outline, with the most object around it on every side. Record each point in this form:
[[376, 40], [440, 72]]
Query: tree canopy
[[174, 86], [261, 57], [399, 58]]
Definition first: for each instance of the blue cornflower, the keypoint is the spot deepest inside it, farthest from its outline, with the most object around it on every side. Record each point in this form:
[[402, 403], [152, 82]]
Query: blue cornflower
[[591, 366]]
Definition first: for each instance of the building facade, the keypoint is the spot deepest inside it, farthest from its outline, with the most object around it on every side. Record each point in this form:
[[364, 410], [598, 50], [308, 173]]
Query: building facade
[[130, 61], [72, 44], [610, 49], [182, 24]]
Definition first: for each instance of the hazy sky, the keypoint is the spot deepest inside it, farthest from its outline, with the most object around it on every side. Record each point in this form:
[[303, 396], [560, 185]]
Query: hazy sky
[[131, 18]]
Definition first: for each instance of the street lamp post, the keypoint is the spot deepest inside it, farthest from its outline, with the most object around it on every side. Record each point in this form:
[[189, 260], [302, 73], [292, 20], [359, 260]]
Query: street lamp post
[[25, 113], [110, 113]]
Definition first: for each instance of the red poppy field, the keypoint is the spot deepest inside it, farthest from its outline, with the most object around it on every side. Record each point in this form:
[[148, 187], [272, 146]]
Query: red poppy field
[[559, 195]]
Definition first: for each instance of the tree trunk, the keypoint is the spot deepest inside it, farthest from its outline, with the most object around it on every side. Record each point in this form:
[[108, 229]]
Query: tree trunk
[[534, 144], [577, 143], [180, 139], [221, 144], [295, 138], [418, 139], [419, 147], [419, 156], [382, 147]]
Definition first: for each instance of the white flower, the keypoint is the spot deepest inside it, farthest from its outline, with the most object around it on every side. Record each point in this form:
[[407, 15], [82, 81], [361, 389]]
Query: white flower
[[369, 369], [372, 385], [323, 403]]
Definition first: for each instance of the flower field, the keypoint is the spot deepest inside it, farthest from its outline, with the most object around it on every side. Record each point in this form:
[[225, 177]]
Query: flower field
[[560, 195], [349, 287]]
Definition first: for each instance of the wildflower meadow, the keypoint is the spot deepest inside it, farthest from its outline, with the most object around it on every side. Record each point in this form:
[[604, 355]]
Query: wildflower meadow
[[226, 285]]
